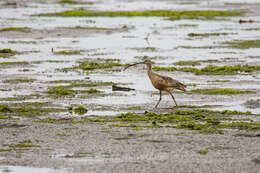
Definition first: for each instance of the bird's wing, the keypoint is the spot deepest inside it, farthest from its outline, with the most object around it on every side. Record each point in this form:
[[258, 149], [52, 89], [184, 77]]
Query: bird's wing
[[169, 82]]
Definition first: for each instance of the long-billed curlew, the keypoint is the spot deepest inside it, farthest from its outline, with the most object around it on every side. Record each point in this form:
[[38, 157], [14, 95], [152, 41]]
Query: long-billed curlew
[[162, 83]]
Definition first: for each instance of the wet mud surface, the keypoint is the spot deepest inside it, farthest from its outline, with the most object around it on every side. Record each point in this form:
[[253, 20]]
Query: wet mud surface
[[63, 68]]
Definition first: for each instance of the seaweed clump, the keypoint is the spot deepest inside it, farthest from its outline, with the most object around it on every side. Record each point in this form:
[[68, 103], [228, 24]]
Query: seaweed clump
[[213, 70], [173, 15]]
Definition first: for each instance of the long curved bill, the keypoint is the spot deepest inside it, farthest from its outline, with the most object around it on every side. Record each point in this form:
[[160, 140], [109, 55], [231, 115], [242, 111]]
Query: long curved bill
[[132, 65]]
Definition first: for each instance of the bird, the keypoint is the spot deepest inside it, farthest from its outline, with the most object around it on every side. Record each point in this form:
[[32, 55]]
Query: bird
[[162, 83]]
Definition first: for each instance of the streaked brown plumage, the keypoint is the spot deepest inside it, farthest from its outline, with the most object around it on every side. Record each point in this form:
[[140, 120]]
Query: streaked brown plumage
[[162, 83]]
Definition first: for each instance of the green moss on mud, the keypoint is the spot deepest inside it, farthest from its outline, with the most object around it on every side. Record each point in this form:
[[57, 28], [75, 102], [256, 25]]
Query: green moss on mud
[[21, 97], [5, 53], [202, 120], [28, 111], [220, 91], [246, 44], [73, 2], [61, 134], [95, 65], [68, 90], [83, 83], [5, 149], [68, 52], [60, 90], [187, 63], [18, 81], [213, 70], [208, 34], [92, 90], [25, 29], [202, 151], [26, 144], [146, 49], [81, 110], [15, 63], [173, 15], [93, 28]]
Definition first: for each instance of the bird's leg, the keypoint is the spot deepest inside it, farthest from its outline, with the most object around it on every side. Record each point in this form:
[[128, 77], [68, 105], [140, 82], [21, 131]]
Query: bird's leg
[[159, 99], [173, 98]]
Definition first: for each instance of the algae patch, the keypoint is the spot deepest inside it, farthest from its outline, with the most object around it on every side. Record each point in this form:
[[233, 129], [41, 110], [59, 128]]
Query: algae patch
[[173, 15], [5, 53], [67, 52], [202, 120], [203, 152], [20, 109], [213, 70], [220, 91], [18, 81], [25, 29], [15, 63], [245, 44], [208, 34], [73, 2], [89, 65], [80, 110], [60, 90]]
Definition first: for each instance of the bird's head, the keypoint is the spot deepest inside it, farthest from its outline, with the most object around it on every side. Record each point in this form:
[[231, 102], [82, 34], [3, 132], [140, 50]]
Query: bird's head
[[147, 62]]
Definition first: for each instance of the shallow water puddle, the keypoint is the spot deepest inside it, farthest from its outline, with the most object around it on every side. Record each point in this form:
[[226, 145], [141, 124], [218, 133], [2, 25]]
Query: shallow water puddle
[[19, 169], [107, 158]]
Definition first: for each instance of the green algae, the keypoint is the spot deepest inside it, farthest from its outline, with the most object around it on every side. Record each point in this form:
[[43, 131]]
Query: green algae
[[208, 34], [194, 107], [80, 110], [5, 108], [219, 80], [61, 134], [245, 44], [146, 49], [5, 149], [252, 29], [213, 70], [24, 29], [220, 91], [173, 15], [68, 52], [17, 81], [187, 63], [15, 63], [92, 90], [201, 120], [73, 2], [6, 53], [90, 64], [60, 90], [94, 28], [26, 144], [22, 42], [203, 152], [188, 25], [83, 83], [29, 111], [98, 64], [194, 63], [68, 90], [21, 97], [202, 47]]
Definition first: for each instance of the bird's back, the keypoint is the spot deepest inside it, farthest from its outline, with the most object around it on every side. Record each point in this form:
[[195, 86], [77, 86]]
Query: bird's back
[[164, 82]]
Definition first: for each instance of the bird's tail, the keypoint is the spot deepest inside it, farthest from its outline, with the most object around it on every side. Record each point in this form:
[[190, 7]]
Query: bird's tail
[[181, 87]]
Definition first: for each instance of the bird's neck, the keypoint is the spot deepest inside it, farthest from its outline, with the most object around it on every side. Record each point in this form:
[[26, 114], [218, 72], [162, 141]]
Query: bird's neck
[[149, 67]]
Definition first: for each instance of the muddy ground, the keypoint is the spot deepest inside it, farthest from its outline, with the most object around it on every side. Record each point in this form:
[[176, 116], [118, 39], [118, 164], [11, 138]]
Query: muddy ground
[[48, 53]]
